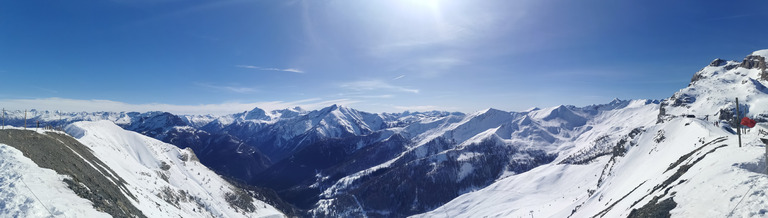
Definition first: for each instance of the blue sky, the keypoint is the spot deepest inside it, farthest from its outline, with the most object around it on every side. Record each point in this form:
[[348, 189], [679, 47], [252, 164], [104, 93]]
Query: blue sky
[[373, 55]]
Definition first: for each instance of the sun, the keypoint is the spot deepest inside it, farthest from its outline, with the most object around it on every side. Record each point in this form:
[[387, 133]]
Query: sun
[[431, 5]]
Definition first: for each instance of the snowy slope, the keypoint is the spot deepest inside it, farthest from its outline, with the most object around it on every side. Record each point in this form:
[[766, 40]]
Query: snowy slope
[[711, 187], [167, 181], [641, 162], [31, 191]]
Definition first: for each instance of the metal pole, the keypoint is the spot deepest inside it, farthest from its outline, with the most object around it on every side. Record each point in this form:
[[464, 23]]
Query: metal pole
[[738, 121], [765, 141], [3, 118], [25, 119]]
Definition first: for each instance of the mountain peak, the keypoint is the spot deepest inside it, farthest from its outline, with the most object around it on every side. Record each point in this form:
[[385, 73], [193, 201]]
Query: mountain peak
[[713, 90], [490, 111], [257, 114], [532, 109], [337, 107], [332, 107], [616, 101]]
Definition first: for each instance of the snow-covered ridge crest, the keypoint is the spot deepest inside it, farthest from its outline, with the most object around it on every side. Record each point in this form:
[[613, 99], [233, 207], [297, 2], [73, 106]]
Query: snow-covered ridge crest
[[167, 180]]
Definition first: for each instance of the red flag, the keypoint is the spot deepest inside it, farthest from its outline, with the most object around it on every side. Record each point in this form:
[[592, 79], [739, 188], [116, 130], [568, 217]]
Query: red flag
[[748, 122]]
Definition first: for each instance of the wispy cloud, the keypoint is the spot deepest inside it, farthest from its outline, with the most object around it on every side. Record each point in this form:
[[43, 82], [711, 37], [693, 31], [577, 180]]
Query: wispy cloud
[[398, 77], [76, 105], [234, 89], [368, 85], [292, 70]]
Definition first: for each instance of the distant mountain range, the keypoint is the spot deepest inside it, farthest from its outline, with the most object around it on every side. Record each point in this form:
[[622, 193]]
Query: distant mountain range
[[622, 158]]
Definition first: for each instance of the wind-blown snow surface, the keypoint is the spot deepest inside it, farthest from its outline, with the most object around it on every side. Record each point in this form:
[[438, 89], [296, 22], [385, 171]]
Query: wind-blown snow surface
[[632, 164], [167, 181], [26, 190]]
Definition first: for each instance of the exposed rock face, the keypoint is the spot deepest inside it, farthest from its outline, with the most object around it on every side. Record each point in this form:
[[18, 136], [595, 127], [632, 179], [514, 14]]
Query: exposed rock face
[[717, 62], [756, 62], [696, 77], [753, 62]]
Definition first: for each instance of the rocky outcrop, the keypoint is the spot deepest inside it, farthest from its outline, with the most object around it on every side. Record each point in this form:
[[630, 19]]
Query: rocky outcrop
[[717, 62], [753, 62], [756, 62]]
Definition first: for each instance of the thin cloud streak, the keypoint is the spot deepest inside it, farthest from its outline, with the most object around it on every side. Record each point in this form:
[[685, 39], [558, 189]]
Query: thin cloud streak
[[234, 89], [398, 77], [369, 85], [292, 70]]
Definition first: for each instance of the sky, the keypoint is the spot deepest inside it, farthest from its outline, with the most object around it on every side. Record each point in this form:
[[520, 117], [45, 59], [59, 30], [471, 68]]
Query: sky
[[227, 56]]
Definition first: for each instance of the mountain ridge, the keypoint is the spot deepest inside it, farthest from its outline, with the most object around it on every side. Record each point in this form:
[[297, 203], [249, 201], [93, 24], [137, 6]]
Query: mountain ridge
[[680, 158], [338, 161]]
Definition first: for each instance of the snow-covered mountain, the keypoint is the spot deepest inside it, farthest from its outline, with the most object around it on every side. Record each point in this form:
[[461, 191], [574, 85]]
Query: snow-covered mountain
[[686, 163], [121, 173], [460, 156], [625, 158]]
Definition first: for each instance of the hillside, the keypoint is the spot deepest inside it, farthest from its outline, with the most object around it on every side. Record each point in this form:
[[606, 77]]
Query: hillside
[[687, 163], [122, 173]]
